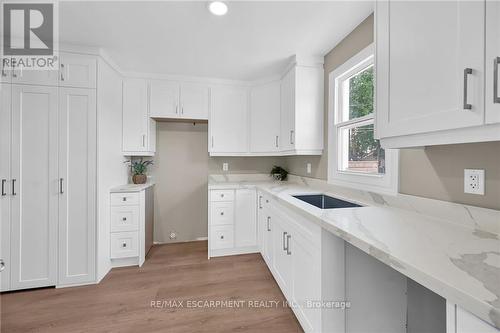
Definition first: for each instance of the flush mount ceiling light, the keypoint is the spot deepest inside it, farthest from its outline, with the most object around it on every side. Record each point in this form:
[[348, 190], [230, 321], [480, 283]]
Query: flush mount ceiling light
[[218, 8]]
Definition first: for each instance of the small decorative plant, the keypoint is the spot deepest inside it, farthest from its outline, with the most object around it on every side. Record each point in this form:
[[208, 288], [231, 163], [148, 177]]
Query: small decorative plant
[[138, 169], [279, 173]]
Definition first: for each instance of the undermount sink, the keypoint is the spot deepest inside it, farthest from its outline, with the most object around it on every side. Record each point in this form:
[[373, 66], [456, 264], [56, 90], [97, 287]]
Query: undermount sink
[[324, 201]]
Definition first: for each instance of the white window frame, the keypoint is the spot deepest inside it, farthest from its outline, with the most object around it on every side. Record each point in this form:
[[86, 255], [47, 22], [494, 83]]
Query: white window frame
[[382, 183]]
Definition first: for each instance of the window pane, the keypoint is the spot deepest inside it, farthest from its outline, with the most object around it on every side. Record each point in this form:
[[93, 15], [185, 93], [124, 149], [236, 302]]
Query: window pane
[[360, 151], [360, 91]]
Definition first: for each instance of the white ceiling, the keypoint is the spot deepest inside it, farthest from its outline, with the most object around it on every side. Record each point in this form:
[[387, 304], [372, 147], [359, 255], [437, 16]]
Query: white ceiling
[[254, 40]]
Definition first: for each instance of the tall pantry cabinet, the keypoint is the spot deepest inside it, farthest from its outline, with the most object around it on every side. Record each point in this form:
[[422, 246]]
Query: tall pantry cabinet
[[48, 176]]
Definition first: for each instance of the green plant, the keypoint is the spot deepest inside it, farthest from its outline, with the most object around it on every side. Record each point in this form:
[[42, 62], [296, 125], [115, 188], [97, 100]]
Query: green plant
[[279, 173], [139, 167]]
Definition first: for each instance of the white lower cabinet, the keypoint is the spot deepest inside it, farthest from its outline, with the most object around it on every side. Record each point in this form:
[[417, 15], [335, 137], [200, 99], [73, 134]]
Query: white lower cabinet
[[131, 226], [245, 219], [282, 261], [306, 262], [459, 320], [232, 222], [222, 237], [124, 244]]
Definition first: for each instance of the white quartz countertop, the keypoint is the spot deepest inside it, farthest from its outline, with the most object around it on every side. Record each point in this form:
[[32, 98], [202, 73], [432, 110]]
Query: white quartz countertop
[[131, 188], [459, 259]]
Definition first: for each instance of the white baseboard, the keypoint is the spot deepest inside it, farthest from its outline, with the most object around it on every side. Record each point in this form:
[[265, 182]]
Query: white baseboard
[[198, 239], [124, 262], [76, 285]]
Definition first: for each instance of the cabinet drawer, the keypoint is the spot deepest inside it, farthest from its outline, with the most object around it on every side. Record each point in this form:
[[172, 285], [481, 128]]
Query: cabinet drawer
[[124, 199], [221, 237], [221, 213], [124, 244], [222, 195], [124, 218]]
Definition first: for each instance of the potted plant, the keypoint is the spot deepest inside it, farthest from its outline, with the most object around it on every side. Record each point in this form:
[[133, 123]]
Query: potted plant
[[138, 169], [279, 173]]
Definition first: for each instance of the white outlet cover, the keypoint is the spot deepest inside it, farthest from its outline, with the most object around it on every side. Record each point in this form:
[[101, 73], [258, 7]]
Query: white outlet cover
[[474, 181], [225, 166], [308, 167]]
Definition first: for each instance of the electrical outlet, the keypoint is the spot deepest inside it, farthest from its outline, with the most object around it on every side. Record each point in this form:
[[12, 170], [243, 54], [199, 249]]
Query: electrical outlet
[[225, 166], [173, 235], [474, 181], [308, 168]]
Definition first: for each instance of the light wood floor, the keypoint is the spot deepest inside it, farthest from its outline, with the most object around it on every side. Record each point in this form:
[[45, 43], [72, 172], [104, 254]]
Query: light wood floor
[[122, 301]]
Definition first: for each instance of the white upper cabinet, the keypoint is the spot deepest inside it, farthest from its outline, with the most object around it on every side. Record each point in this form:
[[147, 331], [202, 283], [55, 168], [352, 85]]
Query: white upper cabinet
[[430, 74], [174, 100], [284, 117], [38, 77], [139, 131], [228, 120], [265, 118], [164, 99], [419, 90], [302, 111], [492, 61], [77, 70], [195, 101], [287, 111]]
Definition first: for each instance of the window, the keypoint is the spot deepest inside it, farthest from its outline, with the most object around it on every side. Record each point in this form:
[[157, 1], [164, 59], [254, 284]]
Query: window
[[356, 158]]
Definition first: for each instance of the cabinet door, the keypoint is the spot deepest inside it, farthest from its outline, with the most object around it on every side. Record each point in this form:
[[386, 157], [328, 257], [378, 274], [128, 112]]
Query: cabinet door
[[268, 239], [492, 61], [288, 111], [38, 77], [77, 70], [164, 99], [423, 79], [265, 118], [5, 177], [35, 187], [282, 262], [77, 185], [245, 230], [306, 281], [228, 120], [260, 223], [135, 116], [194, 101]]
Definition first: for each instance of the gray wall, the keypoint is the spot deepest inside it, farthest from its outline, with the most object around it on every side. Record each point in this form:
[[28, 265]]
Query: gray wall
[[438, 172], [433, 172], [181, 173]]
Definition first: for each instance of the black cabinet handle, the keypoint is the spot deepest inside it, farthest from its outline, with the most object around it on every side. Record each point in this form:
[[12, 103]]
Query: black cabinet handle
[[14, 187], [3, 187]]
